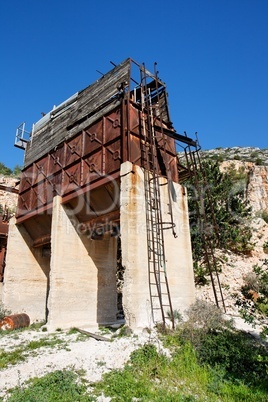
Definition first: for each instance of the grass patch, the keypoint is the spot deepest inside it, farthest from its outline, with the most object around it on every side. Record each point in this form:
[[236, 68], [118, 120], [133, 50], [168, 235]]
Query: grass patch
[[20, 353], [207, 360], [151, 376], [59, 386]]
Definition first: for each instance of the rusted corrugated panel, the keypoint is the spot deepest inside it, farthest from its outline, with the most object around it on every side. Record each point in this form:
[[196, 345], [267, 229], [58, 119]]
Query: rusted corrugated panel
[[91, 103], [3, 227], [89, 156]]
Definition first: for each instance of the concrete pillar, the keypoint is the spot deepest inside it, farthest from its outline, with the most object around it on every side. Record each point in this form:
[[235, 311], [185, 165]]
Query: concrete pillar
[[82, 276], [178, 249], [26, 275], [136, 296]]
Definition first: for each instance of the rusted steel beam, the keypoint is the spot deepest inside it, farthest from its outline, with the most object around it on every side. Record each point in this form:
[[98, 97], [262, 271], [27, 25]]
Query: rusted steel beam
[[9, 189], [110, 217], [104, 222], [41, 241], [3, 226], [91, 186], [46, 209], [176, 136]]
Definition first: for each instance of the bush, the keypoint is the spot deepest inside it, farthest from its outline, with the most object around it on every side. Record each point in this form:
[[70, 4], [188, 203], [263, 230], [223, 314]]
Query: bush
[[264, 216], [58, 386], [265, 247], [17, 170], [5, 170], [237, 353], [251, 282], [205, 316], [218, 213], [259, 162], [253, 305], [3, 311]]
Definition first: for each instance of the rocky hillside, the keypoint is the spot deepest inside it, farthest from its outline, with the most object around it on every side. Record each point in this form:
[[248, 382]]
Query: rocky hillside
[[246, 154], [254, 178], [252, 164], [8, 199]]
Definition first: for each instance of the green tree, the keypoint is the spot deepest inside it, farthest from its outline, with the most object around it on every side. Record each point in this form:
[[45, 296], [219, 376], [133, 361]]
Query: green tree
[[17, 170], [218, 211], [5, 170]]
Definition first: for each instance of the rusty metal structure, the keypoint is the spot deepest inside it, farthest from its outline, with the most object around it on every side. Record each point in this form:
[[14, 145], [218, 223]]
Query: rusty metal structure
[[80, 145], [75, 151], [3, 243], [4, 220]]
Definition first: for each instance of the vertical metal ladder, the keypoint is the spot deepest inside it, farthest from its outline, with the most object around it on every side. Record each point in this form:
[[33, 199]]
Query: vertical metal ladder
[[161, 305], [208, 230]]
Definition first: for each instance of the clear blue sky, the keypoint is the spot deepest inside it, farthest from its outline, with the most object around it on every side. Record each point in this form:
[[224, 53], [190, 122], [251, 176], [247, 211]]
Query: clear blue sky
[[212, 54]]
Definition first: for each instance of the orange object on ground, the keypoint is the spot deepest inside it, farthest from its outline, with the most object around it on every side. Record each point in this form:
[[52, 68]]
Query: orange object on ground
[[15, 321]]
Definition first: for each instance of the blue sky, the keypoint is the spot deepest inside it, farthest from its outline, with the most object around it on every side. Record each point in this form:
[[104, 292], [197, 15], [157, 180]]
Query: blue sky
[[212, 54]]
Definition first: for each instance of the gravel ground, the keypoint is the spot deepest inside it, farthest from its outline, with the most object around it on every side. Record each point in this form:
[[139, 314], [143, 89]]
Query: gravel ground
[[94, 357]]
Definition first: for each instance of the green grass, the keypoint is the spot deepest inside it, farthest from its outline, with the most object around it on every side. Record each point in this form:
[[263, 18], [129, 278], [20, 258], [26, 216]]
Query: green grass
[[215, 366], [59, 386], [20, 353], [151, 376]]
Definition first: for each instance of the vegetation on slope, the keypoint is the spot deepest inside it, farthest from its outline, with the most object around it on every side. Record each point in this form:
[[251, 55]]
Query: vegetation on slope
[[245, 154], [6, 171], [218, 212], [253, 299], [228, 227]]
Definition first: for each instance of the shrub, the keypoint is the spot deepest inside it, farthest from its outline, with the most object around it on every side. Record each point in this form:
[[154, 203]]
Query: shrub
[[237, 353], [218, 213], [259, 162], [203, 318], [251, 282], [264, 216], [255, 307], [5, 170], [58, 386], [265, 247], [3, 311]]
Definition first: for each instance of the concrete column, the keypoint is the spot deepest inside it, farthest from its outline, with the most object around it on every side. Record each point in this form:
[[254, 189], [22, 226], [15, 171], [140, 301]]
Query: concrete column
[[179, 266], [82, 276], [26, 275], [136, 297], [178, 249]]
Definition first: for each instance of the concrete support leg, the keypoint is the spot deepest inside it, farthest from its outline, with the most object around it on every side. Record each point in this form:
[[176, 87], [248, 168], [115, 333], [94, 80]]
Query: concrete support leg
[[178, 249], [179, 266], [82, 276], [26, 275], [136, 297]]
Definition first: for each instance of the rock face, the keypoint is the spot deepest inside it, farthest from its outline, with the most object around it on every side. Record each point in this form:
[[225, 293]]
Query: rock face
[[255, 182], [258, 188], [254, 179], [6, 198]]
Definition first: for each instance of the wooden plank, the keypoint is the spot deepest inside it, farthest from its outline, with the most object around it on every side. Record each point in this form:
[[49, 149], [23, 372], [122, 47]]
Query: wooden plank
[[92, 103], [95, 336]]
